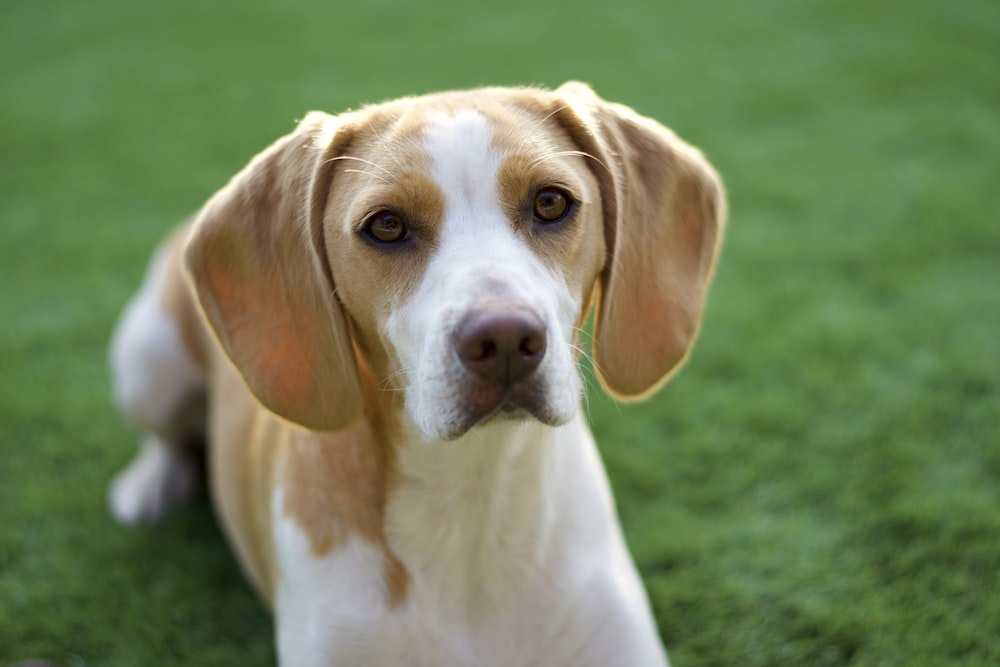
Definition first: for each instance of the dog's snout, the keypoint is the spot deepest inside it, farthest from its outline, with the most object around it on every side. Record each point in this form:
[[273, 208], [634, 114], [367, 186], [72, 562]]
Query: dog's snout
[[502, 346]]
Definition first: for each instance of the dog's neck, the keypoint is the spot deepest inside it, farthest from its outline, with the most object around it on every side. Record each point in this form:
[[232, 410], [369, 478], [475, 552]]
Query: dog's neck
[[472, 485], [481, 518]]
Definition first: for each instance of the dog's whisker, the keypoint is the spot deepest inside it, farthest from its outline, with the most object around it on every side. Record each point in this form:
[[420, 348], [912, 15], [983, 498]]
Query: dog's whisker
[[587, 377], [386, 383], [368, 173], [549, 115], [583, 154], [542, 159], [354, 158], [585, 398], [582, 352], [585, 335]]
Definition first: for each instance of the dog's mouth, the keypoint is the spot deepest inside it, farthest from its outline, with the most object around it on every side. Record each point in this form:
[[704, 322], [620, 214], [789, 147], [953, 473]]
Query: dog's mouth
[[485, 404]]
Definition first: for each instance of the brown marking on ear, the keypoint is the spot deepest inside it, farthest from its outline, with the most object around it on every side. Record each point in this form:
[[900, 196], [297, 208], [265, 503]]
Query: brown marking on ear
[[258, 266], [664, 211], [338, 484]]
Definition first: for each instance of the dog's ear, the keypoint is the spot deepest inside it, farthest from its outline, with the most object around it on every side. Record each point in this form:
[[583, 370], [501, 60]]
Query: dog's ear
[[664, 212], [256, 257]]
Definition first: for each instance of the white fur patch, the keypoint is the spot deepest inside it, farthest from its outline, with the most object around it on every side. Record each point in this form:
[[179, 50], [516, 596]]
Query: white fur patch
[[479, 256], [158, 479], [329, 606], [152, 371]]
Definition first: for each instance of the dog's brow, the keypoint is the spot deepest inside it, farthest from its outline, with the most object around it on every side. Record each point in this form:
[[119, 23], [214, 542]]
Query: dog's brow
[[541, 159], [549, 115]]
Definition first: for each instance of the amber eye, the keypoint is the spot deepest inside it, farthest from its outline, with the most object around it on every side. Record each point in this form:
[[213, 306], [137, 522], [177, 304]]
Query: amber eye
[[386, 227], [551, 205]]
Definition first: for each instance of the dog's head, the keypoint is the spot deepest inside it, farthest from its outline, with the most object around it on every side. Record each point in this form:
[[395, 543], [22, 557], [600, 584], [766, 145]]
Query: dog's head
[[448, 246]]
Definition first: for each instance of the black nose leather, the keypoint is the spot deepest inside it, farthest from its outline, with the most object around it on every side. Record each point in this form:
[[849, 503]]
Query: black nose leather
[[501, 346]]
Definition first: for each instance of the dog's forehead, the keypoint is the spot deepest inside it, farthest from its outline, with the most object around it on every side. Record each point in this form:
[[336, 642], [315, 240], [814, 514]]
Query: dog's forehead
[[423, 157], [464, 160], [451, 126]]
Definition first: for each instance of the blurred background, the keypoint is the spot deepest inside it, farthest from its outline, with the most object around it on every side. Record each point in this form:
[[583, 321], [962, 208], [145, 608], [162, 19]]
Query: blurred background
[[819, 486]]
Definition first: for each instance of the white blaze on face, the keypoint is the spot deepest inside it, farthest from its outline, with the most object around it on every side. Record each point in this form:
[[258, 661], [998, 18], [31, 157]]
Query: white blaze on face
[[465, 168], [479, 257]]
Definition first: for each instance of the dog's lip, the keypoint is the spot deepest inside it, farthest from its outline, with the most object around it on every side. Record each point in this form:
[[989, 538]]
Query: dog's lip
[[507, 408], [484, 404], [480, 407]]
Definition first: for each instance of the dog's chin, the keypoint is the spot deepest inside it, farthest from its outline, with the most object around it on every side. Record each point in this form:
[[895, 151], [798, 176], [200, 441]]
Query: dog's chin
[[479, 408]]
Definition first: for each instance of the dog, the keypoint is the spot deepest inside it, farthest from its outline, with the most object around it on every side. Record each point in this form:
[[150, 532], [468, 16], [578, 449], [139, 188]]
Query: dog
[[376, 328]]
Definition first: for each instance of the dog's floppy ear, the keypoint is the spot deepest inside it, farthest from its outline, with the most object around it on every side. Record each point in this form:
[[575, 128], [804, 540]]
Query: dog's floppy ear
[[664, 212], [257, 263]]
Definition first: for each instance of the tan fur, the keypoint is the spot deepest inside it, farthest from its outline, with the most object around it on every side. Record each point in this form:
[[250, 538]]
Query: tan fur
[[259, 271], [338, 484]]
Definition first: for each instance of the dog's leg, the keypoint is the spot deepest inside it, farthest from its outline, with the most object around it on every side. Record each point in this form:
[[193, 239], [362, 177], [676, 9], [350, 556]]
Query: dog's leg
[[160, 390]]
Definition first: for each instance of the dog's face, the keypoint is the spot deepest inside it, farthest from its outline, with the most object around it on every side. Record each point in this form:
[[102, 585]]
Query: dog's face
[[465, 243], [447, 247]]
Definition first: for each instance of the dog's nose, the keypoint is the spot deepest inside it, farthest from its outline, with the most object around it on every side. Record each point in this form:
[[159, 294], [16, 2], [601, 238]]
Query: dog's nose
[[502, 346]]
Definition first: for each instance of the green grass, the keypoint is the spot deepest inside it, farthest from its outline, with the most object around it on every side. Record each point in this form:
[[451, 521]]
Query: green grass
[[820, 486]]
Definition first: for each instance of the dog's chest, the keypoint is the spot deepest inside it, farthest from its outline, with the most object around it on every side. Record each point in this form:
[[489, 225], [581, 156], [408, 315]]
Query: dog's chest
[[333, 611], [501, 569]]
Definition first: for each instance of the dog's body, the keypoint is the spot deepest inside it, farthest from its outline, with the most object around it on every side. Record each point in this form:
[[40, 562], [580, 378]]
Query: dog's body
[[382, 318]]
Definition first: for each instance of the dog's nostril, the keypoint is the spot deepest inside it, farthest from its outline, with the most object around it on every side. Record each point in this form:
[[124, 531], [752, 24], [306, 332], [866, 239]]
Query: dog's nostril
[[487, 350], [502, 346], [532, 345]]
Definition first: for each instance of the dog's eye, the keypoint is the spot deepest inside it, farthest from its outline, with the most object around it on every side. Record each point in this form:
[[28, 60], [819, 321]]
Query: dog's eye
[[551, 205], [386, 227]]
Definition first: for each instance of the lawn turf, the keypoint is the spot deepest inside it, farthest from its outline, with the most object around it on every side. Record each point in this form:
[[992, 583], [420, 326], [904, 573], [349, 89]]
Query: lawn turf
[[821, 483]]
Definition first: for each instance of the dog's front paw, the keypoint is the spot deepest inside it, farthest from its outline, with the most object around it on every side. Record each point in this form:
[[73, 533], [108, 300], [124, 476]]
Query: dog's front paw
[[157, 480]]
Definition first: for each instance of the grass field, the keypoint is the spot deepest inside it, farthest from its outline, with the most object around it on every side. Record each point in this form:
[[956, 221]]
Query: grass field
[[820, 485]]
